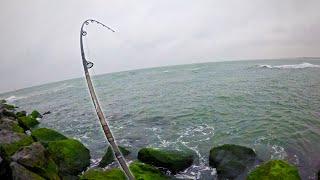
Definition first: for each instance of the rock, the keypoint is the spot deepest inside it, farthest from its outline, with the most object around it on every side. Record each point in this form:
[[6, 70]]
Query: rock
[[70, 155], [109, 156], [21, 173], [9, 124], [21, 113], [231, 160], [99, 174], [274, 169], [34, 158], [27, 122], [5, 170], [11, 141], [146, 172], [35, 114], [7, 113], [48, 112], [9, 106], [175, 161], [45, 135]]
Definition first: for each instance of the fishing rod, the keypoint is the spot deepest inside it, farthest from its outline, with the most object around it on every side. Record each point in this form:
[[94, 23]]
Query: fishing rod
[[87, 65]]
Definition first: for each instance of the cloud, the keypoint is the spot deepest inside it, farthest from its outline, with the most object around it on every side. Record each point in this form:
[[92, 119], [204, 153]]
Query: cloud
[[40, 38]]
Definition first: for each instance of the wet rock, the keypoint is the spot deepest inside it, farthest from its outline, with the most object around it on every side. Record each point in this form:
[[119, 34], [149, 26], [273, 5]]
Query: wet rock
[[9, 106], [5, 170], [48, 112], [175, 161], [10, 124], [8, 113], [109, 156], [21, 113], [231, 160], [21, 173], [35, 114], [100, 174], [27, 122], [274, 169], [146, 172], [34, 158], [11, 141], [45, 135], [70, 155]]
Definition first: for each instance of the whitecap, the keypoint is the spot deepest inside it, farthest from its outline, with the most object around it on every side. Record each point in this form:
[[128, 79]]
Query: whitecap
[[290, 66], [12, 99]]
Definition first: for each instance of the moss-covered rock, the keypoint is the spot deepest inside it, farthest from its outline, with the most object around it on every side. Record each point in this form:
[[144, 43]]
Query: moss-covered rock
[[146, 172], [20, 173], [8, 113], [35, 158], [9, 124], [9, 106], [70, 155], [109, 156], [35, 114], [175, 161], [231, 160], [11, 141], [45, 135], [99, 174], [21, 113], [27, 122], [274, 169]]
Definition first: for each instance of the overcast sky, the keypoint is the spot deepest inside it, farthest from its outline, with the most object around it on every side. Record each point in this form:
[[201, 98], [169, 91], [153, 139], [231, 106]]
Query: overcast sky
[[40, 38]]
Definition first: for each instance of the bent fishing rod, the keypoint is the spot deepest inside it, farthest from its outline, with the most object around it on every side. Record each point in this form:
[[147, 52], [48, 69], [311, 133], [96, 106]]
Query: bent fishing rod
[[87, 65]]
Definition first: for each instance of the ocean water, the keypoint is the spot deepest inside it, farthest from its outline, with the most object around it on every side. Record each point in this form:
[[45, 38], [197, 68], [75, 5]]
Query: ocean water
[[272, 106]]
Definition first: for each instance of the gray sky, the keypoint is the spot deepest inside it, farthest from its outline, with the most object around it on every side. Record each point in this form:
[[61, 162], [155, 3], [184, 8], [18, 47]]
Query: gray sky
[[40, 38]]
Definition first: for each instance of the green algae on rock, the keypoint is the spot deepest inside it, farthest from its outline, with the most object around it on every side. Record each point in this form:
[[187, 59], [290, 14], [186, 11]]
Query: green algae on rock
[[10, 124], [11, 141], [146, 172], [35, 114], [45, 135], [27, 122], [231, 160], [175, 161], [21, 113], [109, 156], [35, 158], [99, 174], [20, 172], [70, 155], [274, 169]]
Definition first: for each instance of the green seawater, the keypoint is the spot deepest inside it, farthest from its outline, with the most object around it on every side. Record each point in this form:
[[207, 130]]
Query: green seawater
[[274, 109]]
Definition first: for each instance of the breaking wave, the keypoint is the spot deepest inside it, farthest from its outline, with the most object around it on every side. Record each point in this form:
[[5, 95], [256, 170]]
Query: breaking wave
[[290, 66]]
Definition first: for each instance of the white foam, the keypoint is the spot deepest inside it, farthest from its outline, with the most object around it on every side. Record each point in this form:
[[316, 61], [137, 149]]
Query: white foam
[[290, 66], [11, 99]]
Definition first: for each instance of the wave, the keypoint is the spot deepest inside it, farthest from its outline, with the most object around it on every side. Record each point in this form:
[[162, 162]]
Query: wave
[[290, 66], [12, 99]]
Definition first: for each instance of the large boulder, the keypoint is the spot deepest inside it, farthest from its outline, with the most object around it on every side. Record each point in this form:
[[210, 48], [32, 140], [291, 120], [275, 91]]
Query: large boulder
[[35, 158], [21, 173], [10, 124], [274, 169], [11, 141], [99, 174], [174, 161], [231, 160], [45, 135], [70, 155], [146, 172], [109, 156]]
